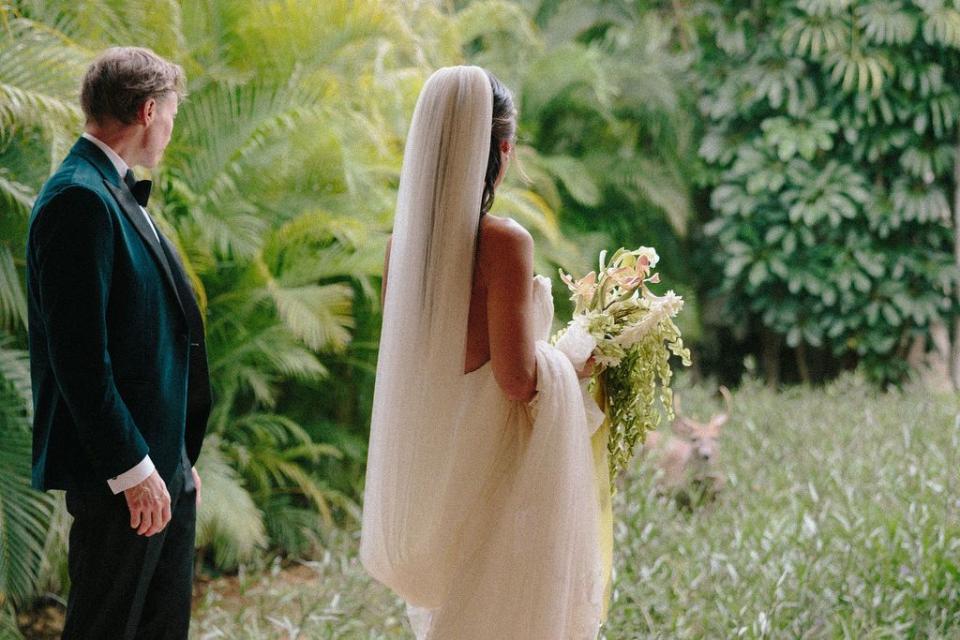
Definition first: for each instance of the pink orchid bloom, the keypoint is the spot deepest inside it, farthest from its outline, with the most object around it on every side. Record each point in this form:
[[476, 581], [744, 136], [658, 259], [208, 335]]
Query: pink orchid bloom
[[583, 289], [627, 277]]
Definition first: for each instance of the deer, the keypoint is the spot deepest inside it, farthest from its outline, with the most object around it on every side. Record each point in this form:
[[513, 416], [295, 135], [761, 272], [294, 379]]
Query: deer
[[688, 460]]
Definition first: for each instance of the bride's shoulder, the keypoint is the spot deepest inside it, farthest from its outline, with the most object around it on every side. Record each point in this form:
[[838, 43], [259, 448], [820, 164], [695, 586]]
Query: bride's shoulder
[[505, 247], [504, 234]]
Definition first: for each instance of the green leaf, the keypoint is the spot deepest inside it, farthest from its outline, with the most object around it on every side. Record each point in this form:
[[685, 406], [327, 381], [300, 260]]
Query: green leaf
[[886, 23], [228, 519], [941, 25], [13, 302], [758, 274], [574, 176]]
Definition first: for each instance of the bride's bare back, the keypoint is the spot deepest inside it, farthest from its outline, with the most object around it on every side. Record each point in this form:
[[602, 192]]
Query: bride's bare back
[[499, 329]]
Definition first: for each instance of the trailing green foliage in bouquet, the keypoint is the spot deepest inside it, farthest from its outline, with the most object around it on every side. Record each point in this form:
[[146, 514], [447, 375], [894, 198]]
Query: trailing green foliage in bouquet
[[630, 334]]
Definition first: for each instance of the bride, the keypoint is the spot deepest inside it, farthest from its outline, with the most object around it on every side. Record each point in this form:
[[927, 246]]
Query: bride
[[480, 507]]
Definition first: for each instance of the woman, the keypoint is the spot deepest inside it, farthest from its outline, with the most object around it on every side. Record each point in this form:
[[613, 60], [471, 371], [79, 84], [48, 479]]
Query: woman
[[479, 510]]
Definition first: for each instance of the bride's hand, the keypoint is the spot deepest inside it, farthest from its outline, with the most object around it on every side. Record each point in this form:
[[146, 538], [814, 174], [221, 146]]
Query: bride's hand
[[587, 370]]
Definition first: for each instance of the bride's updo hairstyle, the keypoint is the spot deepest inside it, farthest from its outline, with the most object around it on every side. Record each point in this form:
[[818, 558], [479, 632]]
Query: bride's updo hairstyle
[[504, 128]]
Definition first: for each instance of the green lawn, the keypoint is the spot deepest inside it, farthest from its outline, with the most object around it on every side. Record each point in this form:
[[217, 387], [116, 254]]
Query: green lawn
[[839, 520]]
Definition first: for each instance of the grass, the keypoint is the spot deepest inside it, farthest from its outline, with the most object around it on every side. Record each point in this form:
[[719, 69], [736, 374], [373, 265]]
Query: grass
[[839, 520]]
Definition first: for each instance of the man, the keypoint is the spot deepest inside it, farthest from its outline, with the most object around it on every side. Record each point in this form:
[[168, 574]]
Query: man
[[118, 362]]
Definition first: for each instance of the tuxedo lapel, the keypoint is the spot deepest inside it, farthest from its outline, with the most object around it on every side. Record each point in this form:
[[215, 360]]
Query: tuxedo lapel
[[182, 283], [131, 209]]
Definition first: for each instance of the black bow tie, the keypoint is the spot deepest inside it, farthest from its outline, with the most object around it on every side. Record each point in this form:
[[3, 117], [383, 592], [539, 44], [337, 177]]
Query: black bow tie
[[139, 188]]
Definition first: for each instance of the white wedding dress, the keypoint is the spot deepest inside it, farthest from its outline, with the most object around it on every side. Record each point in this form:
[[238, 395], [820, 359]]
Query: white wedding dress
[[528, 566], [482, 514]]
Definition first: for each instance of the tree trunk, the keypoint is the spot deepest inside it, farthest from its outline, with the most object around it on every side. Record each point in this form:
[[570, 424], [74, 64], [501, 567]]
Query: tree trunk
[[955, 347], [681, 19], [802, 367], [770, 355]]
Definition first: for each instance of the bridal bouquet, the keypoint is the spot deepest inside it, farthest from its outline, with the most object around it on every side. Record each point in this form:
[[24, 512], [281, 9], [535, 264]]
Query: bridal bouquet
[[631, 334]]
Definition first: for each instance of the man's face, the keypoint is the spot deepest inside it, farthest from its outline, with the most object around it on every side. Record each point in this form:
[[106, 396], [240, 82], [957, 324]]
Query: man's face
[[158, 129]]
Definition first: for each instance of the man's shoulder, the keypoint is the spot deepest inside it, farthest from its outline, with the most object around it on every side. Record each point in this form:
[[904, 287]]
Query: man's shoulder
[[73, 189], [74, 179]]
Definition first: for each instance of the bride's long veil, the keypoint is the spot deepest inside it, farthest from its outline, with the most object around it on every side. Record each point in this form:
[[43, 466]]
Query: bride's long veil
[[413, 488], [487, 523]]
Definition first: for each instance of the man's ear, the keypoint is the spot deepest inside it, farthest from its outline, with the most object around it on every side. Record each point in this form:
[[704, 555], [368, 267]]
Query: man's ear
[[147, 111]]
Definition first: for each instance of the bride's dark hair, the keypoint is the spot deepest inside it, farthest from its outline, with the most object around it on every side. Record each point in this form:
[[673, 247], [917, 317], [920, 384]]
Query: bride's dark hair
[[504, 128]]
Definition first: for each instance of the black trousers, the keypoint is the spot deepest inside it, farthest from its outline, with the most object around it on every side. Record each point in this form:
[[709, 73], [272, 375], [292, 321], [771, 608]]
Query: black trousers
[[125, 586]]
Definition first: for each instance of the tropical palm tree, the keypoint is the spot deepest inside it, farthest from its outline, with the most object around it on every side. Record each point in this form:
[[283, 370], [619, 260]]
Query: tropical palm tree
[[278, 188], [37, 109], [24, 513]]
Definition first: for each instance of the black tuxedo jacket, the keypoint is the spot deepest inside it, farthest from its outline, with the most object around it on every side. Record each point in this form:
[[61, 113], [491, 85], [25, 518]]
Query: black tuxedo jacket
[[117, 353]]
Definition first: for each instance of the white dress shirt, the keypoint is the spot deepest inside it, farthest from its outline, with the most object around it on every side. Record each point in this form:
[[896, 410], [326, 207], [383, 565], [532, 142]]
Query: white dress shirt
[[121, 166], [145, 467]]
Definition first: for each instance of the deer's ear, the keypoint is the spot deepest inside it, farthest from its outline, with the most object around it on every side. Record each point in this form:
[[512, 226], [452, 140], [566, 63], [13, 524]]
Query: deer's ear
[[682, 427], [676, 405], [718, 421]]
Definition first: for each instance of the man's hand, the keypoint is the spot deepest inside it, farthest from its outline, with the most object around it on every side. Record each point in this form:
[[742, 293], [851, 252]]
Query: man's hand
[[196, 481], [149, 504]]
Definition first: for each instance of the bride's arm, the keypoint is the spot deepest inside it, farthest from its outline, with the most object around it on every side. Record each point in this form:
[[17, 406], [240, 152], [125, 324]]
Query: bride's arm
[[506, 261]]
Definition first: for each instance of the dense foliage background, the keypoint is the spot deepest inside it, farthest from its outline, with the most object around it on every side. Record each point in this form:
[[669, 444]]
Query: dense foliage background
[[794, 162]]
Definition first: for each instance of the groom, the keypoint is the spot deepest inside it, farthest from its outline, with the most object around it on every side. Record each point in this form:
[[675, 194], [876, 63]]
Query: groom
[[120, 385]]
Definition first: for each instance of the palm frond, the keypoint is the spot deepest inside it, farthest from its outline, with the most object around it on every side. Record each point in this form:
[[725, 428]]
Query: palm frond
[[575, 177], [291, 526], [13, 303], [649, 75], [220, 132], [228, 520], [320, 315], [24, 513], [15, 372], [8, 622], [14, 195], [318, 246], [38, 76], [224, 125], [250, 355], [567, 71], [530, 210], [333, 34], [533, 212], [276, 452], [570, 20], [653, 182], [495, 16], [159, 23], [92, 21]]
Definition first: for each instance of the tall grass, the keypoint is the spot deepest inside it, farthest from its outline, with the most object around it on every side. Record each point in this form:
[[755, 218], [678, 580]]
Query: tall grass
[[839, 520]]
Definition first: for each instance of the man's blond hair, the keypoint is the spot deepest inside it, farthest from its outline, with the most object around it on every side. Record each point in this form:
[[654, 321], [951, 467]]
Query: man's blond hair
[[121, 79]]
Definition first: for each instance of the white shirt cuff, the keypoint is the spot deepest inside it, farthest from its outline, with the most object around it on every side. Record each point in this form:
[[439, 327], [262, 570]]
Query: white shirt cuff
[[132, 477]]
